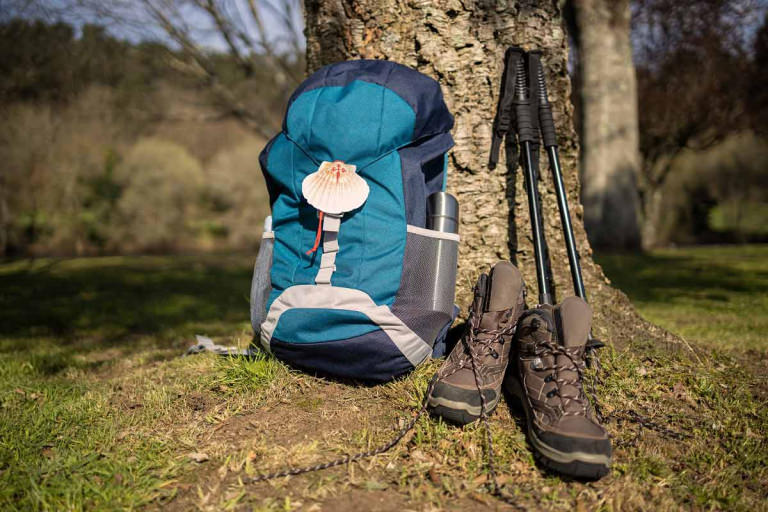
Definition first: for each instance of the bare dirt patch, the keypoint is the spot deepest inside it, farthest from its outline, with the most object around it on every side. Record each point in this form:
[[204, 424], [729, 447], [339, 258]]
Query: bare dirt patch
[[313, 422]]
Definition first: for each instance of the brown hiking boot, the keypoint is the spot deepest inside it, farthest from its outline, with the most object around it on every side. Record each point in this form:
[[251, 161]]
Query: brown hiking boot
[[483, 348], [549, 361]]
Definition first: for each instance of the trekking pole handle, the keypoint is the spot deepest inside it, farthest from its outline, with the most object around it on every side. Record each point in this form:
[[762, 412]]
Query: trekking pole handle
[[525, 125], [545, 112]]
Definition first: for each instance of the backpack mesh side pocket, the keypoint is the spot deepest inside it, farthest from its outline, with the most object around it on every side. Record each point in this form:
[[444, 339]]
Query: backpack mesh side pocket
[[427, 286], [261, 284]]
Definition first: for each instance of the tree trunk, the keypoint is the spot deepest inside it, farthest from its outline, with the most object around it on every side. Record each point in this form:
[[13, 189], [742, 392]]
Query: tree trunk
[[462, 44], [4, 221], [655, 232], [610, 155]]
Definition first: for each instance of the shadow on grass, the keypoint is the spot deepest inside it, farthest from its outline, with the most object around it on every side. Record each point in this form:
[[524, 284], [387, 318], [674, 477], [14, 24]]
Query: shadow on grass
[[109, 299]]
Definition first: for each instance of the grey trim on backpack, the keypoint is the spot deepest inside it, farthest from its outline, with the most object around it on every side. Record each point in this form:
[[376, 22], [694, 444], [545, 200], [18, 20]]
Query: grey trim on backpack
[[415, 349], [416, 230], [331, 226]]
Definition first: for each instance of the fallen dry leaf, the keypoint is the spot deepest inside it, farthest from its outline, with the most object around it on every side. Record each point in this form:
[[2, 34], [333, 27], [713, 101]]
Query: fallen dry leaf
[[198, 457]]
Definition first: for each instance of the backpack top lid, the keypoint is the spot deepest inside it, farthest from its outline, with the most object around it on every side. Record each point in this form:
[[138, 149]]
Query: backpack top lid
[[358, 111]]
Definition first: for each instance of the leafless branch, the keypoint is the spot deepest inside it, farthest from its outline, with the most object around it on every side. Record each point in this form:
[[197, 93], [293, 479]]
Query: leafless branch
[[227, 32], [263, 40], [238, 24]]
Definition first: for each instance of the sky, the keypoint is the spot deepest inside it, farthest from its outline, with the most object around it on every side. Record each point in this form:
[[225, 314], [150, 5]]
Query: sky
[[129, 19]]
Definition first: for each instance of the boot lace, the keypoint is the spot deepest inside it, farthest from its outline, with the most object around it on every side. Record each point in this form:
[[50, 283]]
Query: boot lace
[[479, 342], [575, 364], [470, 339]]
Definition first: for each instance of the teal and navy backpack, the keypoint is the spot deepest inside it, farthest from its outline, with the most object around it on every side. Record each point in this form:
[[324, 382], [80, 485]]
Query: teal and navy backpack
[[354, 285]]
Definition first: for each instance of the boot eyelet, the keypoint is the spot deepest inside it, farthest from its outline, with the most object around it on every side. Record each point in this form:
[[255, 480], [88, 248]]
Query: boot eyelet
[[551, 393], [549, 378]]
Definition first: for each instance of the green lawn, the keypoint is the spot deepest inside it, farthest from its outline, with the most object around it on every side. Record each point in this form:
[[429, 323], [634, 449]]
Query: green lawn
[[77, 338], [99, 411], [715, 295]]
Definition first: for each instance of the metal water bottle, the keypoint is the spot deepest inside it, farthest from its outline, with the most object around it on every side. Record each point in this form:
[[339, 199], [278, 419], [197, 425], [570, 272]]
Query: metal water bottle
[[443, 216], [443, 213]]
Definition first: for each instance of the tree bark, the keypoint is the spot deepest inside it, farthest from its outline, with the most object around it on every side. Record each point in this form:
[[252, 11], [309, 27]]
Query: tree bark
[[461, 44], [610, 154]]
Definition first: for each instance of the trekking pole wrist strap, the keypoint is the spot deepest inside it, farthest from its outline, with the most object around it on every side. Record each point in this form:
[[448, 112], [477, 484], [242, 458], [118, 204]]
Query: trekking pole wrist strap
[[505, 108]]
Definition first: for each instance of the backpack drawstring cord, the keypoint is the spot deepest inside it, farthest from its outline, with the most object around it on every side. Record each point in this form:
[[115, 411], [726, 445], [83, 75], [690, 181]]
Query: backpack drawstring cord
[[318, 235]]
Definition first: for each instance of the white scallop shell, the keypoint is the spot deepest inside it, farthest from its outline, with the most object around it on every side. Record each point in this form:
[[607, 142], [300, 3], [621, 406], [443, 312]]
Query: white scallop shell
[[335, 188]]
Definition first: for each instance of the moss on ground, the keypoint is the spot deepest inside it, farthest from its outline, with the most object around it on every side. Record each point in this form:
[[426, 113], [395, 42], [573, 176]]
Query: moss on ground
[[98, 411]]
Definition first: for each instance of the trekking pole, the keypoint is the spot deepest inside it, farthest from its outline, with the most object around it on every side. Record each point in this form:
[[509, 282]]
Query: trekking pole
[[528, 136], [550, 144], [548, 134]]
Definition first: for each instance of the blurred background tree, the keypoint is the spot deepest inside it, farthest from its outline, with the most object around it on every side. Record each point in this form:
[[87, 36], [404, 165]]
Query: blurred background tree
[[698, 69], [606, 96], [671, 105], [136, 126]]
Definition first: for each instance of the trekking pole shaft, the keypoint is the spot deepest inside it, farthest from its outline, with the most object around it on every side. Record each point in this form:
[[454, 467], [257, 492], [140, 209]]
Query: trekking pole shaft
[[565, 219], [547, 125], [537, 229]]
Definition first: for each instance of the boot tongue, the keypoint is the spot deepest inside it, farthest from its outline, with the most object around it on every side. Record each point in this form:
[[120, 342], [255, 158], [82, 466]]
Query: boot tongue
[[505, 283], [501, 294], [574, 319]]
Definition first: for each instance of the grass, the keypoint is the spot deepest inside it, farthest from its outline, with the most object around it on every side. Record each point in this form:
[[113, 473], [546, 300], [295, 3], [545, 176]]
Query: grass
[[88, 357], [99, 411], [714, 295]]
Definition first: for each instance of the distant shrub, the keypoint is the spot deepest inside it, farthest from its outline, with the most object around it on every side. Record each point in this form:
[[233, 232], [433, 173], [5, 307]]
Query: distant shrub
[[159, 205], [236, 195], [78, 178], [56, 165], [718, 194], [748, 219]]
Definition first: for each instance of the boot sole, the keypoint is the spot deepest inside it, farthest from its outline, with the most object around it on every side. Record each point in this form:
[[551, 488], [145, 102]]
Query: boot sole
[[458, 412], [575, 464]]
